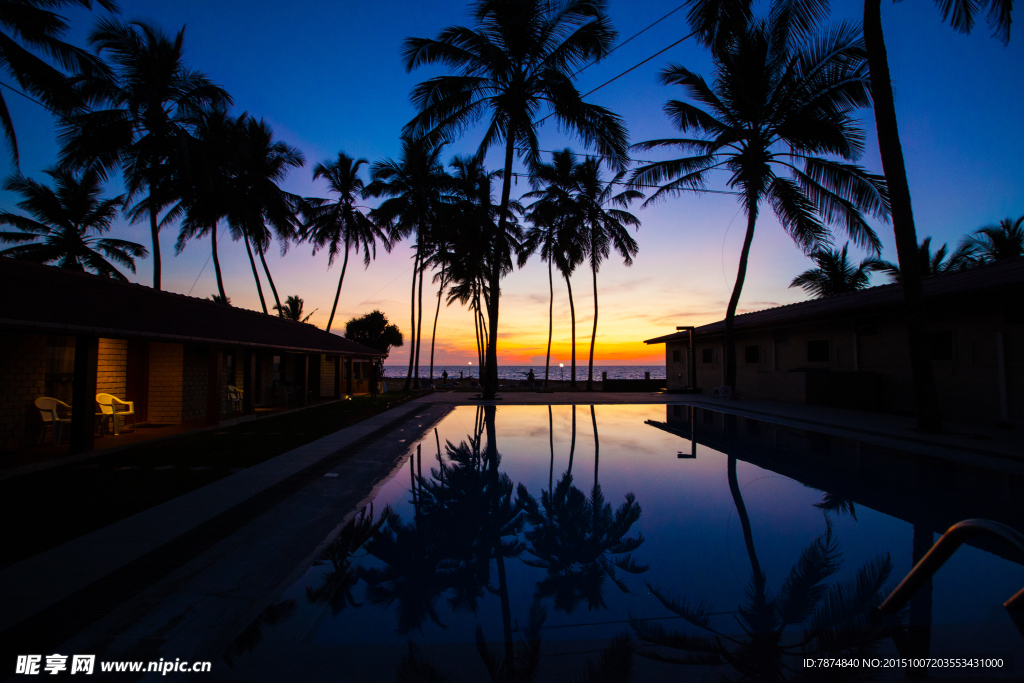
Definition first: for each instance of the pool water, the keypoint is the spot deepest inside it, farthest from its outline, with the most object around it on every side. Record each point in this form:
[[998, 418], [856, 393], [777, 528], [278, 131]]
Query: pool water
[[657, 542]]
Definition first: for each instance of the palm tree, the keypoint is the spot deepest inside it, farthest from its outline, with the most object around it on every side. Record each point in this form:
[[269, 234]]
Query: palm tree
[[996, 242], [811, 84], [292, 310], [519, 55], [151, 96], [35, 25], [556, 233], [413, 185], [477, 244], [961, 15], [340, 223], [834, 274], [929, 263], [212, 166], [604, 227], [258, 208], [64, 217]]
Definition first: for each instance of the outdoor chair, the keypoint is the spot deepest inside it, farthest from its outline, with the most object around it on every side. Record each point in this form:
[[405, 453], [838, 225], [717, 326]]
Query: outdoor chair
[[49, 410], [114, 409], [234, 398], [286, 390]]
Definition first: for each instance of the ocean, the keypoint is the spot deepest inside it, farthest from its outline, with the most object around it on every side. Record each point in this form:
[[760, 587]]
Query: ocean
[[511, 372]]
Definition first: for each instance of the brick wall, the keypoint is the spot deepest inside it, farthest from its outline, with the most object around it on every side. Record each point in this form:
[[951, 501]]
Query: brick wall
[[166, 366], [195, 374], [111, 367], [326, 376], [22, 381]]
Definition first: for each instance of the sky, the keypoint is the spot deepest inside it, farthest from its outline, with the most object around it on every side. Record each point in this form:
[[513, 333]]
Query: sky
[[328, 77]]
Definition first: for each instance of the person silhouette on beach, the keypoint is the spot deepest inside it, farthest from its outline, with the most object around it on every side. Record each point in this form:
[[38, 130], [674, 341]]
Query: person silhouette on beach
[[530, 376], [444, 377]]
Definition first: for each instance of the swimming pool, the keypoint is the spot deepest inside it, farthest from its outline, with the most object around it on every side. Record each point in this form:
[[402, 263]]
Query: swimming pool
[[600, 539]]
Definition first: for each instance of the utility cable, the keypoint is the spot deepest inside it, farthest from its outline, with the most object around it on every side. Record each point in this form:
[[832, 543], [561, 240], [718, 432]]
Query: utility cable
[[30, 99]]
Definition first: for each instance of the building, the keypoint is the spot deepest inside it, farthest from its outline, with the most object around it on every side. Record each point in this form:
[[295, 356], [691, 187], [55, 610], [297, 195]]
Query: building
[[851, 350], [70, 335]]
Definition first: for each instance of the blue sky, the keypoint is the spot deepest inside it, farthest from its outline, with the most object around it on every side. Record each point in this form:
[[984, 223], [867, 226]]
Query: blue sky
[[328, 76]]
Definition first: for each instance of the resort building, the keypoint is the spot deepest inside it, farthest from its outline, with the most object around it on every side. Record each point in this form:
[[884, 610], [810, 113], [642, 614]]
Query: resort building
[[850, 350], [71, 336]]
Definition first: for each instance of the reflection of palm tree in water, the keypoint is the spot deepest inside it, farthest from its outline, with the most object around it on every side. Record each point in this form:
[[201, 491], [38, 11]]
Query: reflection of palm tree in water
[[836, 620], [575, 538], [336, 589]]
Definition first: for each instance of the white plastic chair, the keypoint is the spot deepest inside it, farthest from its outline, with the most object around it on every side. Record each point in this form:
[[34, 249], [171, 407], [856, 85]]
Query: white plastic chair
[[48, 410], [234, 398], [110, 409]]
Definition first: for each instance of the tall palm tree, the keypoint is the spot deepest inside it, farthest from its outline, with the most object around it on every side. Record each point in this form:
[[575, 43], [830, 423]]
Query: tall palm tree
[[834, 274], [258, 208], [66, 218], [996, 242], [477, 241], [961, 15], [604, 227], [212, 165], [292, 310], [929, 263], [150, 95], [340, 223], [33, 25], [518, 56], [556, 233], [770, 136], [413, 185]]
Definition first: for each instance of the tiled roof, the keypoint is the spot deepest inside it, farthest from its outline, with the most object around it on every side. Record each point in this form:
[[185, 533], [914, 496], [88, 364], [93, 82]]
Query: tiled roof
[[996, 275], [52, 300]]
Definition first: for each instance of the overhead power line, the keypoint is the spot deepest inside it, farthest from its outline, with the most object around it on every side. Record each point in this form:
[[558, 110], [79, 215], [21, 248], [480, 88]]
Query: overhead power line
[[635, 35], [627, 184], [30, 99]]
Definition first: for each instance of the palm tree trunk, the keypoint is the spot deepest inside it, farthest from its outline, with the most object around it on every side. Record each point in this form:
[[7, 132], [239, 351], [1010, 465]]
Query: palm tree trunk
[[926, 401], [741, 510], [491, 384], [263, 260], [433, 334], [572, 316], [344, 265], [154, 231], [412, 324], [551, 444], [216, 264], [593, 335], [419, 332], [597, 450], [572, 444], [255, 274], [506, 610], [551, 320], [734, 300]]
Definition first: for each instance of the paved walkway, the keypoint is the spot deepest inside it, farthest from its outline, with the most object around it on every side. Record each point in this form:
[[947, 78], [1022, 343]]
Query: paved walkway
[[195, 570]]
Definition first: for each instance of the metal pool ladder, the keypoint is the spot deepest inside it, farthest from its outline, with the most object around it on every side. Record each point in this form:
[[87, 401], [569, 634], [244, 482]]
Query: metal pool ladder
[[943, 549]]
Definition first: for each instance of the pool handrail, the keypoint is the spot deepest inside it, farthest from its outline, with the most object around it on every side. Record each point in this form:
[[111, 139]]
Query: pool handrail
[[943, 549]]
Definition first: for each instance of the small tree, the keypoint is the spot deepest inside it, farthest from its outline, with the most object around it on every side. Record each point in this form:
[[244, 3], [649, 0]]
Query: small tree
[[374, 331], [292, 309]]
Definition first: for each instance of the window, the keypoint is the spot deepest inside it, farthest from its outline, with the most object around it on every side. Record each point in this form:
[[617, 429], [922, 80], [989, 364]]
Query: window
[[817, 351], [940, 346], [676, 356], [707, 356], [752, 354], [60, 367], [277, 368]]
